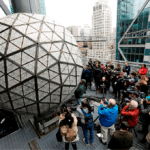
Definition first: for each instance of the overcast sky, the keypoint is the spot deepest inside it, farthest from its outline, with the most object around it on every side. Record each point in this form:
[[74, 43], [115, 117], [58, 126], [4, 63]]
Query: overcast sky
[[76, 12], [73, 12]]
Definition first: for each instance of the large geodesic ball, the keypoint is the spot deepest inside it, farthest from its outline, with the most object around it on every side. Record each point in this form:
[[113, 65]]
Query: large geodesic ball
[[40, 63]]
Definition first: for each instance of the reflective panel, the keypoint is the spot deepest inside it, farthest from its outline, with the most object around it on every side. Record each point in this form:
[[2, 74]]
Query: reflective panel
[[126, 13], [43, 61]]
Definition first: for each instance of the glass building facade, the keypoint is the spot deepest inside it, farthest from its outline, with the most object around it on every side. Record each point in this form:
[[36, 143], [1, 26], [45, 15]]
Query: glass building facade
[[134, 45], [28, 6], [42, 7]]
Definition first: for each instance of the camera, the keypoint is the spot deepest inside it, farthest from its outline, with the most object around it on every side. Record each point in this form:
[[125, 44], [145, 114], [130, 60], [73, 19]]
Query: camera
[[142, 95], [63, 108], [91, 107]]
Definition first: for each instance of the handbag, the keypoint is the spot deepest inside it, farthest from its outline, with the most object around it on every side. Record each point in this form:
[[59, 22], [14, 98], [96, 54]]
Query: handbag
[[58, 136], [70, 136], [148, 137]]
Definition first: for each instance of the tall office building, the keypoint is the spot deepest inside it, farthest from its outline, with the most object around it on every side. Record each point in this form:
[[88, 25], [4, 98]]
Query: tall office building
[[86, 30], [101, 26], [133, 37], [74, 30], [28, 6]]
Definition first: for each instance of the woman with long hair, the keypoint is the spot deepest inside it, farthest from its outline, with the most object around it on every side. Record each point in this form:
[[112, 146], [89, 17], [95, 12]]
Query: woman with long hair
[[143, 70], [118, 68], [68, 129]]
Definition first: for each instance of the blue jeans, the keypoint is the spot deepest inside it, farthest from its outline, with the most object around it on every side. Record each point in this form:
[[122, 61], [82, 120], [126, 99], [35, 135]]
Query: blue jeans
[[85, 133]]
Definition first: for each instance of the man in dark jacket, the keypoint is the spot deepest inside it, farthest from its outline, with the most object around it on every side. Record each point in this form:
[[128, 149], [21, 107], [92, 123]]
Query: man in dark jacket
[[87, 74], [79, 91], [121, 139], [145, 118], [118, 85], [126, 68], [110, 64], [104, 83]]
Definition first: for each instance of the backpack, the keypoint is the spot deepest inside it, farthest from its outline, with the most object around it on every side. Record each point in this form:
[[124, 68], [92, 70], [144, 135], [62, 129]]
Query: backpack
[[88, 119]]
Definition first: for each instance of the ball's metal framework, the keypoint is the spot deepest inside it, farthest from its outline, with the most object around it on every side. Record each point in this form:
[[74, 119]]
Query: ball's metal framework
[[40, 63]]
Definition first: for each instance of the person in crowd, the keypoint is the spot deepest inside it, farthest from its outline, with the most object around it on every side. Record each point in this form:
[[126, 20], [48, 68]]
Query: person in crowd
[[136, 97], [138, 76], [118, 68], [143, 70], [133, 80], [90, 63], [107, 118], [105, 83], [144, 84], [118, 85], [97, 76], [126, 68], [83, 74], [110, 64], [148, 138], [87, 73], [130, 113], [102, 66], [87, 121], [144, 117], [98, 62], [68, 129], [103, 72], [108, 76], [121, 139], [137, 87], [79, 91]]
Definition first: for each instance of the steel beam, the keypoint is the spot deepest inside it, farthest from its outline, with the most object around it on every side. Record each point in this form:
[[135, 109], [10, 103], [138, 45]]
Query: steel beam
[[4, 8], [90, 39]]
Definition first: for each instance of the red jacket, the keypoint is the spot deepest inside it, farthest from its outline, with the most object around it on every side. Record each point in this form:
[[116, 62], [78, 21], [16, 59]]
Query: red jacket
[[143, 71], [132, 116]]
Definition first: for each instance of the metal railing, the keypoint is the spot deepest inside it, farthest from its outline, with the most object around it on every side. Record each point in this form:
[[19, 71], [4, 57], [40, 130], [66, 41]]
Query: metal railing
[[134, 65]]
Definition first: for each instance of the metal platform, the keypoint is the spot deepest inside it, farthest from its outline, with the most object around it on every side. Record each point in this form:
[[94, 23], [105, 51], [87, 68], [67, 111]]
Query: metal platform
[[20, 138]]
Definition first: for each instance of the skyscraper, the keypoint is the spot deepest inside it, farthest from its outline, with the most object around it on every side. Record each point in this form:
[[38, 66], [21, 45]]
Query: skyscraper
[[101, 25], [74, 30], [85, 30], [133, 37], [28, 6]]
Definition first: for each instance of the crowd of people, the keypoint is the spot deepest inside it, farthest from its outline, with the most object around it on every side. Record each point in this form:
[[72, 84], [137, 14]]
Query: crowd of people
[[130, 90]]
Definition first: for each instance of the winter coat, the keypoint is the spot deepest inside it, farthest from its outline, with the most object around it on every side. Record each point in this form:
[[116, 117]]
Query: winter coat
[[126, 69], [97, 75], [121, 140], [79, 91], [143, 71], [107, 116], [102, 66], [106, 83], [130, 115], [117, 69], [144, 114], [65, 128], [87, 73]]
